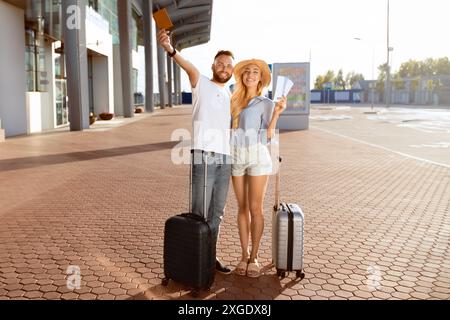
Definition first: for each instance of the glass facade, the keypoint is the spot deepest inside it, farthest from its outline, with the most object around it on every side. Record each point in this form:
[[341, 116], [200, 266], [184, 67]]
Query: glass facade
[[43, 21], [108, 10], [49, 12], [35, 62], [62, 108], [137, 36], [45, 16]]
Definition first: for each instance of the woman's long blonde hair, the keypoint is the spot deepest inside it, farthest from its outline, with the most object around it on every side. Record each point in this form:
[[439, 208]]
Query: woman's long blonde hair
[[241, 98]]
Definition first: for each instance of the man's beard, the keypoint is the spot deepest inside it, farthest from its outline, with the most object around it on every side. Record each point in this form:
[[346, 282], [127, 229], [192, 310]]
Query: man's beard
[[219, 79]]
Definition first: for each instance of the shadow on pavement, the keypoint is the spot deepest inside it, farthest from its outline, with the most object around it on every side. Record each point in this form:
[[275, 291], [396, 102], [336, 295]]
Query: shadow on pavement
[[39, 161], [226, 287]]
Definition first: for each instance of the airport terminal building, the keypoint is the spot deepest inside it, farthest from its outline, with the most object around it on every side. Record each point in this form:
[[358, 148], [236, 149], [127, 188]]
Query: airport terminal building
[[62, 60]]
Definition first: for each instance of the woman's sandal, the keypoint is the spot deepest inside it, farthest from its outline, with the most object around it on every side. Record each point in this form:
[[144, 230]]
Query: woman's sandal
[[241, 268], [253, 269]]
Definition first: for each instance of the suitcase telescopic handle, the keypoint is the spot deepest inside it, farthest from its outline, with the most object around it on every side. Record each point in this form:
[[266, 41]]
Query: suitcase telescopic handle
[[191, 170], [277, 186]]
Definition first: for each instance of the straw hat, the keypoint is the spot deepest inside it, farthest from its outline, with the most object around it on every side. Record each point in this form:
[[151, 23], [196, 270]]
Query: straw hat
[[262, 65]]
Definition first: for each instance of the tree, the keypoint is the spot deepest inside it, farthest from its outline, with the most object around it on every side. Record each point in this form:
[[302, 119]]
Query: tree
[[427, 67], [410, 69], [430, 85], [351, 78], [318, 85], [399, 83], [321, 79], [414, 84], [442, 66], [339, 80], [382, 69]]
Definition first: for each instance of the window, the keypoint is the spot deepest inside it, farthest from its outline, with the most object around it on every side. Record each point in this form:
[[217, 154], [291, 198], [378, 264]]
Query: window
[[108, 10], [35, 63], [137, 36]]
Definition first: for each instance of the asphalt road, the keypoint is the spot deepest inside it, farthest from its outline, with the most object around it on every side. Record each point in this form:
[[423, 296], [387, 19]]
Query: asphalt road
[[423, 134]]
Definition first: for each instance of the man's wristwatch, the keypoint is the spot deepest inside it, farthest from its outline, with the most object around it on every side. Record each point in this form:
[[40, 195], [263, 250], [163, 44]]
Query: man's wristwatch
[[174, 52]]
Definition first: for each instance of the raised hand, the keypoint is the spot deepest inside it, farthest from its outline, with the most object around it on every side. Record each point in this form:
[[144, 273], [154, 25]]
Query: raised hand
[[164, 40], [280, 105]]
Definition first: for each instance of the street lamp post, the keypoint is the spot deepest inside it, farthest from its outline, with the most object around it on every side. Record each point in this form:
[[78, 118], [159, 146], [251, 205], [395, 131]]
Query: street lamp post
[[373, 77], [388, 68]]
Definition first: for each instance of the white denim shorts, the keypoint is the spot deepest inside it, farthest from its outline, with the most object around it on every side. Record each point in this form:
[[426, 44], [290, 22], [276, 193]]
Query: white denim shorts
[[253, 160]]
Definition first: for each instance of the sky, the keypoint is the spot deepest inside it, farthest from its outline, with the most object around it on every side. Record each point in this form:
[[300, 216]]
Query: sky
[[323, 32]]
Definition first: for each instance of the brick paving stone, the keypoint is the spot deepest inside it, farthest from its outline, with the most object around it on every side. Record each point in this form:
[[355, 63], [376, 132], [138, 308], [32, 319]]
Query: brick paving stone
[[438, 295], [87, 296], [318, 281], [33, 295], [307, 293], [401, 295], [325, 293], [30, 287], [15, 294], [420, 295], [52, 295], [12, 287], [117, 291], [381, 295]]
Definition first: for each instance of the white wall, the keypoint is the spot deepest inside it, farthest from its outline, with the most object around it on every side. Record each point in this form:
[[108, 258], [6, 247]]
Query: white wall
[[100, 85], [12, 66], [99, 39], [37, 105], [140, 57]]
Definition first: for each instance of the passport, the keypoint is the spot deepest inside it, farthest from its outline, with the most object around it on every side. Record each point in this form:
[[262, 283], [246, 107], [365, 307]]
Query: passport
[[162, 19]]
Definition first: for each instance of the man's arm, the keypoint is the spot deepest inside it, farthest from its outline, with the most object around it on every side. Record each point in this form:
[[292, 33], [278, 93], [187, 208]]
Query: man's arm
[[191, 70]]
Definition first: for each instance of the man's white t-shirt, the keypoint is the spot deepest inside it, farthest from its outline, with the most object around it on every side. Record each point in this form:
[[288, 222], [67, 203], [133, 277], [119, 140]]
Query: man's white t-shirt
[[211, 116]]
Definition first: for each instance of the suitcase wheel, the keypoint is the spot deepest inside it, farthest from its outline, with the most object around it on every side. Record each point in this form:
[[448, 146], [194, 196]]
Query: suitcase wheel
[[195, 293], [300, 274], [281, 274], [165, 282]]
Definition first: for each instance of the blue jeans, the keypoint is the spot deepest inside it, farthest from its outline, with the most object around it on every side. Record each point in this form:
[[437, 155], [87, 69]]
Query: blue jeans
[[218, 180]]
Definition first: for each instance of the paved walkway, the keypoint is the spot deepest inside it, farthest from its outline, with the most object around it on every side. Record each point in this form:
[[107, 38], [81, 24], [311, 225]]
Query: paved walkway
[[377, 223]]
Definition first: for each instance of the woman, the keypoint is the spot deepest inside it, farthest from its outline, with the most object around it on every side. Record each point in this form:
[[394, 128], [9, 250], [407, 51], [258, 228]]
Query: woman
[[254, 121]]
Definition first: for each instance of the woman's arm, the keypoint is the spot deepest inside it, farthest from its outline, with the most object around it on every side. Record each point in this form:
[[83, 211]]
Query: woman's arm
[[280, 106]]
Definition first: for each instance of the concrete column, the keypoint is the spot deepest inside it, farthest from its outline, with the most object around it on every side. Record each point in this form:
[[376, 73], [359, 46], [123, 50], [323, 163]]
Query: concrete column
[[169, 81], [148, 42], [161, 76], [175, 82], [125, 31], [2, 132], [74, 29], [178, 76]]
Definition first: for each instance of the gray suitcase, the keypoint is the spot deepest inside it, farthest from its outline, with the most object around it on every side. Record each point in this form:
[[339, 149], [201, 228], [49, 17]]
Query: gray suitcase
[[287, 235]]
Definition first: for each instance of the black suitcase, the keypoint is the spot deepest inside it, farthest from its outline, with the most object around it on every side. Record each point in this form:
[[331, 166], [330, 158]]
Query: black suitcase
[[189, 251], [287, 235]]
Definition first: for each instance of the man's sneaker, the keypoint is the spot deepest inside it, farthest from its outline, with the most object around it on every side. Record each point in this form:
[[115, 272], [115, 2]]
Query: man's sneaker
[[222, 268]]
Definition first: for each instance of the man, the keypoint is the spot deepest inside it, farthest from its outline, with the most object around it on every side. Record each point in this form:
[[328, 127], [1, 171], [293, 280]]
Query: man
[[211, 119]]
